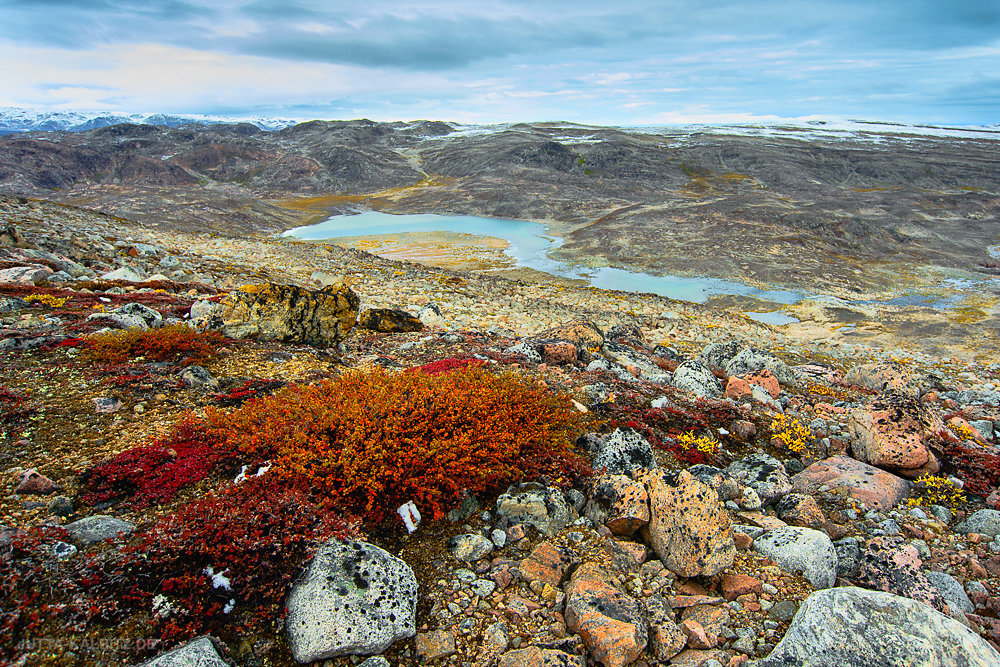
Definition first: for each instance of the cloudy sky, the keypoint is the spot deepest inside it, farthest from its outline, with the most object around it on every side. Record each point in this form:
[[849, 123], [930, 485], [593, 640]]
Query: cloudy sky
[[594, 61]]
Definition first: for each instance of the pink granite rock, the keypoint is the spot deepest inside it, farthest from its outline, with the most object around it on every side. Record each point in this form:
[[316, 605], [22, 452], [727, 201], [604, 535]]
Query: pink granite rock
[[876, 488]]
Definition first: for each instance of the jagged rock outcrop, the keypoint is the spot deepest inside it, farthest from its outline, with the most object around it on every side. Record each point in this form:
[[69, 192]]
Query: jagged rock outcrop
[[290, 314]]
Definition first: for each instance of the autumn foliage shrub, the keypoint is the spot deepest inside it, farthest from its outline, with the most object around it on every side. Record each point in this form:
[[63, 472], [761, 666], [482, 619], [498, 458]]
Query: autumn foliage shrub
[[176, 343], [372, 441], [977, 468], [447, 365], [153, 474], [257, 535]]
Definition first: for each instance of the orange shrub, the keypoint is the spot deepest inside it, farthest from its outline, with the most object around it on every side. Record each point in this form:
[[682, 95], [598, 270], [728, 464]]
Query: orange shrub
[[176, 343], [371, 441]]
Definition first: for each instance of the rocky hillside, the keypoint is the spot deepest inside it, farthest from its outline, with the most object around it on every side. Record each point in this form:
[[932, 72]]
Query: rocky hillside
[[247, 451], [861, 213]]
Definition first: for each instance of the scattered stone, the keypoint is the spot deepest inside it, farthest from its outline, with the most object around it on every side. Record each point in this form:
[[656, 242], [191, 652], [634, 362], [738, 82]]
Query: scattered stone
[[798, 509], [862, 482], [983, 522], [546, 564], [951, 591], [354, 599], [623, 451], [895, 568], [750, 362], [106, 405], [32, 482], [469, 547], [764, 474], [125, 273], [853, 626], [435, 644], [696, 379], [200, 652], [534, 656], [61, 506], [801, 551], [610, 622], [689, 529], [98, 528], [735, 585], [537, 505]]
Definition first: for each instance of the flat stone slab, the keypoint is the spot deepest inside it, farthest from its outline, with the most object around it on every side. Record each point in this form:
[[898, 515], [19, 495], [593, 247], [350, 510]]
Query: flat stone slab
[[876, 488]]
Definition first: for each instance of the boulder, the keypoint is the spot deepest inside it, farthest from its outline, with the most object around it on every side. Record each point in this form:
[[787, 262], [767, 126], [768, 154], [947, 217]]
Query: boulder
[[540, 506], [434, 644], [151, 317], [854, 627], [610, 622], [32, 482], [665, 637], [626, 356], [801, 551], [877, 489], [689, 529], [546, 564], [9, 304], [198, 652], [97, 528], [535, 656], [882, 377], [205, 315], [469, 547], [750, 362], [764, 474], [25, 275], [951, 590], [118, 320], [583, 334], [891, 432], [388, 320], [430, 315], [125, 273], [618, 502], [696, 379], [354, 599], [889, 566], [623, 451], [848, 558], [984, 522], [717, 355], [798, 509], [290, 314]]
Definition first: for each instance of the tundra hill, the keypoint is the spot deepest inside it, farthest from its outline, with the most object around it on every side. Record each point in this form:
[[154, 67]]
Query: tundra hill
[[214, 449]]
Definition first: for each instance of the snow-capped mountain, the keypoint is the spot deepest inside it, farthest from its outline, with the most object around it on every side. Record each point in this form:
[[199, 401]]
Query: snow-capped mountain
[[13, 120]]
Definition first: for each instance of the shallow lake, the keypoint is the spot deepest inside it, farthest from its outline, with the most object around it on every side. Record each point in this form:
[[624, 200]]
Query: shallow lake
[[530, 243]]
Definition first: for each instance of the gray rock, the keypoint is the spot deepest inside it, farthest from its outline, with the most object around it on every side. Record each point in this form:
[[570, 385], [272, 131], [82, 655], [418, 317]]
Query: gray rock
[[984, 522], [951, 591], [540, 506], [801, 550], [941, 513], [59, 277], [727, 487], [984, 426], [764, 474], [376, 661], [469, 506], [498, 537], [169, 262], [106, 405], [126, 273], [205, 315], [718, 355], [783, 610], [62, 551], [9, 304], [197, 377], [626, 356], [98, 528], [750, 360], [469, 547], [695, 378], [118, 320], [624, 451], [354, 599], [151, 317], [431, 316], [848, 557], [525, 349], [61, 506], [854, 627], [198, 652]]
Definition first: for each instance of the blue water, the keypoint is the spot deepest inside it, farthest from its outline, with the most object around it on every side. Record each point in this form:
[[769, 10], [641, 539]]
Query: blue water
[[530, 243]]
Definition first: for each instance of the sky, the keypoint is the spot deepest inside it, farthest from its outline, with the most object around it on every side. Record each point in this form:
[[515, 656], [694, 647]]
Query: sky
[[619, 62]]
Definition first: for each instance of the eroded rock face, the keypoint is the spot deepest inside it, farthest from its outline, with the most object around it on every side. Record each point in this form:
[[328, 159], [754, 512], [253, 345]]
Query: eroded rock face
[[582, 334], [876, 488], [689, 529], [290, 314], [610, 622], [854, 627], [354, 599], [891, 432], [881, 377]]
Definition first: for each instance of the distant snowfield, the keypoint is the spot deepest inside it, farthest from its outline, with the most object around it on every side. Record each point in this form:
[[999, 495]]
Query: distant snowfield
[[15, 120]]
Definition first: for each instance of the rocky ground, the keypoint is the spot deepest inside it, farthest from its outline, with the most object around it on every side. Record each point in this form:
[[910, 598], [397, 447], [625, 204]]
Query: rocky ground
[[754, 496]]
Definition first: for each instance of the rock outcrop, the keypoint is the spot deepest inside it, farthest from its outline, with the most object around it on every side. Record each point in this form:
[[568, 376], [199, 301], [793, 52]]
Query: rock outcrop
[[290, 314]]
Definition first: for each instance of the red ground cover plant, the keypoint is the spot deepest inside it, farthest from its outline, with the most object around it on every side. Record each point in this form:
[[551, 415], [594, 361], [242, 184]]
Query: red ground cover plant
[[372, 441], [979, 469], [177, 343], [447, 365], [241, 393], [153, 474]]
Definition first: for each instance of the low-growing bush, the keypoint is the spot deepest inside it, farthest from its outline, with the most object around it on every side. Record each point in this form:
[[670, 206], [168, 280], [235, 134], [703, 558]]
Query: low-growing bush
[[153, 474], [447, 365], [176, 343], [372, 441]]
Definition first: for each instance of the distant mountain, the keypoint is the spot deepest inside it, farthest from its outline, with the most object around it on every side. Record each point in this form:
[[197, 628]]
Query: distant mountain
[[14, 120]]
